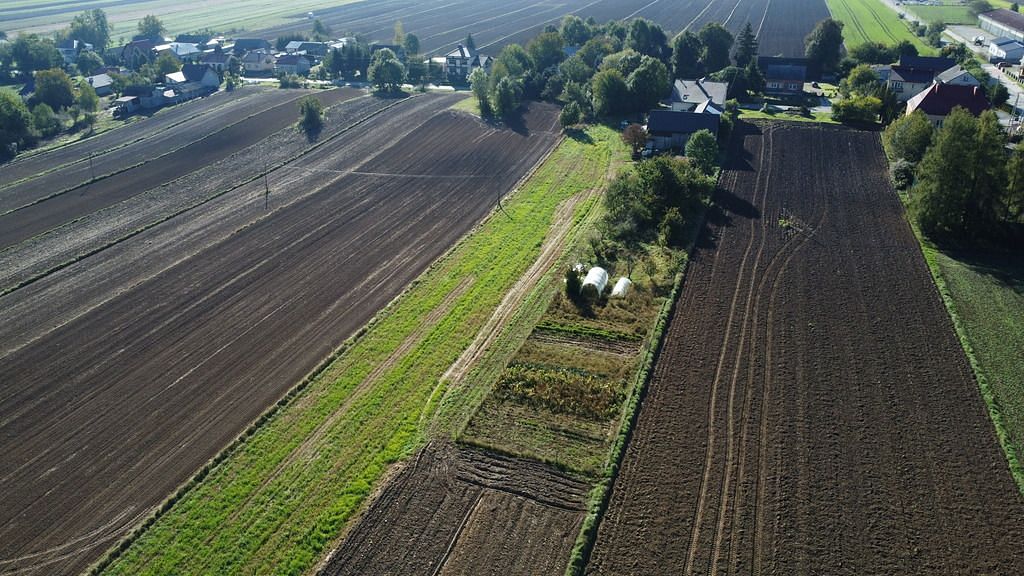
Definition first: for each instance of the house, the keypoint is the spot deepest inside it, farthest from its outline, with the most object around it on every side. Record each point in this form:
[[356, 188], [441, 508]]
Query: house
[[292, 64], [1005, 50], [783, 76], [882, 71], [194, 73], [243, 45], [69, 49], [318, 49], [939, 100], [905, 81], [687, 95], [957, 75], [934, 64], [219, 61], [1003, 23], [258, 62], [671, 128], [182, 51], [199, 40], [460, 63], [137, 53], [102, 84]]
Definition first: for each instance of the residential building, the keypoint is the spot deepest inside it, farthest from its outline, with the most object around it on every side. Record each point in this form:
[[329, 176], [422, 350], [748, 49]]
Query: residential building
[[243, 45], [957, 75], [1005, 50], [460, 63], [292, 64], [939, 100], [318, 49], [69, 49], [191, 81], [935, 64], [783, 76], [1003, 23], [102, 84], [905, 82], [137, 53], [672, 128], [182, 51], [258, 62], [219, 61], [687, 95]]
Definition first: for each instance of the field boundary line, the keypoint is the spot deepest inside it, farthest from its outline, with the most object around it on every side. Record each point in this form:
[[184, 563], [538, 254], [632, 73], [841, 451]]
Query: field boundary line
[[153, 224]]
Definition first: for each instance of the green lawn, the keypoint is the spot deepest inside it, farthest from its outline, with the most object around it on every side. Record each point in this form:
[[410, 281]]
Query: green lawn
[[281, 498], [949, 13], [872, 21], [985, 295], [823, 117]]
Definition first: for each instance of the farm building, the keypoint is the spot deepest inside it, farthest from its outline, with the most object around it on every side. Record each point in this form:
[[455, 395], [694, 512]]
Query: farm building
[[958, 76], [1003, 23], [191, 81], [671, 129], [311, 48], [783, 76], [292, 64], [1005, 50], [101, 83], [940, 99], [687, 95], [906, 82], [460, 63]]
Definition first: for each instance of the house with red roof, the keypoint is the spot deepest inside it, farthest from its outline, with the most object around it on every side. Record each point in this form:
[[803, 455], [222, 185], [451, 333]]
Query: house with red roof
[[939, 100]]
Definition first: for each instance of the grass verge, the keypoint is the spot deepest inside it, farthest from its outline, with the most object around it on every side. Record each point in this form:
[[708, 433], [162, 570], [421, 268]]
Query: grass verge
[[872, 21], [820, 117], [985, 301], [283, 494]]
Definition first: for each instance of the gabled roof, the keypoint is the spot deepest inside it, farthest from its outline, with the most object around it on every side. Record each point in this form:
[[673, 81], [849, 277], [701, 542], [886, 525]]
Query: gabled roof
[[912, 75], [933, 63], [952, 74], [699, 91], [255, 56], [480, 60], [1007, 18], [940, 99], [195, 72], [293, 45], [793, 72], [99, 80], [673, 122], [290, 59], [460, 52], [248, 44], [217, 57], [1003, 42]]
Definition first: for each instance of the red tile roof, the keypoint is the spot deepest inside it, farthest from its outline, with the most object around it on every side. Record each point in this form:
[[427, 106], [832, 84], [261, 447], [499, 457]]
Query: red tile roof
[[940, 99]]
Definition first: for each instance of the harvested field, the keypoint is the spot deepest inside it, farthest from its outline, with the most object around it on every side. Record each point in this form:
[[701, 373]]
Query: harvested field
[[181, 335], [440, 24], [36, 205], [812, 411], [464, 511]]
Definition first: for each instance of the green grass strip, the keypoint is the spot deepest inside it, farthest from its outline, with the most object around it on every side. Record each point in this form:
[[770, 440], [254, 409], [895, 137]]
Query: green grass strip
[[872, 21], [281, 497]]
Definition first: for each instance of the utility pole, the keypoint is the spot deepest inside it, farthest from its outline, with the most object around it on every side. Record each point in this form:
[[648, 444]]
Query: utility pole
[[92, 170]]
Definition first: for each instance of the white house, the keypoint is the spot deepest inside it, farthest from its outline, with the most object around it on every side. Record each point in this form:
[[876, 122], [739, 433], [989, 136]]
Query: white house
[[461, 62], [258, 62], [1005, 50], [957, 76], [292, 64]]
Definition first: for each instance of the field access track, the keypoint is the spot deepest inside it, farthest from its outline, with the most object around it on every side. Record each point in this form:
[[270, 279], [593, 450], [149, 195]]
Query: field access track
[[195, 326], [440, 24], [812, 411], [37, 205]]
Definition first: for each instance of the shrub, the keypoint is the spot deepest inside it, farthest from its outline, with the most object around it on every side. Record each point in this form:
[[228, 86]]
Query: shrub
[[902, 173], [310, 115], [45, 121]]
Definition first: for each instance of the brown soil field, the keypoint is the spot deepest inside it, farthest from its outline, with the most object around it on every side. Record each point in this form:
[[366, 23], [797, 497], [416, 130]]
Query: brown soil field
[[122, 373], [440, 24], [164, 156], [812, 411], [462, 511]]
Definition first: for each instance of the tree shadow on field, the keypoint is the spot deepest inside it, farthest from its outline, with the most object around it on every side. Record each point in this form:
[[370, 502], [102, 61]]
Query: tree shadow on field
[[740, 159], [1005, 267], [578, 135]]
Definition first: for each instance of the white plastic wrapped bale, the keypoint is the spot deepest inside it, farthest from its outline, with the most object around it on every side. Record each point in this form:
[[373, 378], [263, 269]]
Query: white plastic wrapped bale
[[622, 286], [595, 281]]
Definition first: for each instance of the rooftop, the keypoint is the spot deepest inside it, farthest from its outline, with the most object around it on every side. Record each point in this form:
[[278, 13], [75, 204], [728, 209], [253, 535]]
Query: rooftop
[[1007, 18], [940, 99], [699, 91], [673, 122]]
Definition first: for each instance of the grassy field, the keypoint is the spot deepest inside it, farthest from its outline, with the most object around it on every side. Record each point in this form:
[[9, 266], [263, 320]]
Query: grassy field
[[985, 296], [178, 17], [872, 21], [823, 117], [948, 13], [284, 494]]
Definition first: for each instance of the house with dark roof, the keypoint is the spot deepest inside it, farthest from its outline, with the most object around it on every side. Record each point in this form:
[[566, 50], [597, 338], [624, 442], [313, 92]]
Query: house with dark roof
[[137, 53], [191, 81], [292, 64], [460, 63], [671, 128], [69, 49], [687, 95], [1004, 23], [783, 76], [243, 45], [940, 99], [103, 84], [905, 81], [934, 64], [1005, 50], [318, 49]]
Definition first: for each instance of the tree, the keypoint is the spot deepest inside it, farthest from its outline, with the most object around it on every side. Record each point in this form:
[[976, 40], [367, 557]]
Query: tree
[[506, 96], [399, 37], [648, 39], [648, 84], [89, 62], [91, 27], [997, 94], [755, 79], [15, 124], [702, 150], [717, 43], [609, 93], [597, 48], [746, 46], [45, 121], [512, 61], [574, 69], [934, 32], [873, 53], [571, 115], [310, 115], [823, 46], [32, 52], [411, 44], [546, 50], [906, 48], [165, 64], [321, 31], [151, 27], [625, 61], [862, 80], [857, 110], [478, 84], [978, 7], [386, 72], [574, 31], [580, 94], [54, 88], [1015, 7], [687, 51], [1014, 200], [87, 100], [635, 136], [908, 137], [469, 43]]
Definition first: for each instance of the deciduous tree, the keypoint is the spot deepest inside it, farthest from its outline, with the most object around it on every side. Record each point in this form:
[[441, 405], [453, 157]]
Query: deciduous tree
[[717, 42], [411, 44], [385, 73], [648, 38], [54, 88], [478, 84], [151, 27], [546, 50], [89, 62], [823, 46], [702, 150], [310, 115], [32, 52], [609, 93], [686, 55], [15, 123], [91, 27], [648, 84], [635, 136]]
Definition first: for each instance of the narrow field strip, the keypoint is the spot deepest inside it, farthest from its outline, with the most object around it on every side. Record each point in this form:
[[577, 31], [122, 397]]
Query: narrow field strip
[[871, 21], [263, 510]]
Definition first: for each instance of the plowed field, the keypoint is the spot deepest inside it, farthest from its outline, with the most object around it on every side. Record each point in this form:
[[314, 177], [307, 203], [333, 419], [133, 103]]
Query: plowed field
[[121, 374], [440, 24], [462, 511], [812, 411]]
